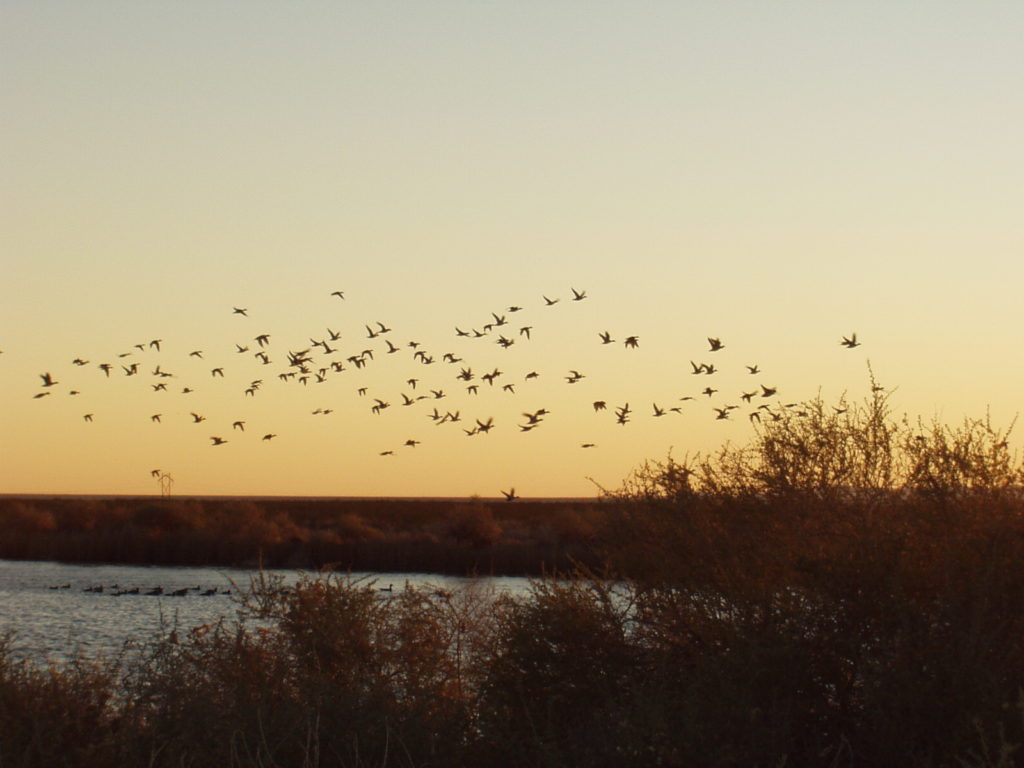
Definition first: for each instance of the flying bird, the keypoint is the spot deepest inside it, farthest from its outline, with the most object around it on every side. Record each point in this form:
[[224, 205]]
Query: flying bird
[[716, 344], [850, 342], [240, 311]]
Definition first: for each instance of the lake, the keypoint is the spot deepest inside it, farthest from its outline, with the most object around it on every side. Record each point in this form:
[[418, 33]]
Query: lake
[[55, 609]]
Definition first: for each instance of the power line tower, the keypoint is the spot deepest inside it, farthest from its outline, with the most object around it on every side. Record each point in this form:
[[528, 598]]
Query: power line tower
[[166, 481]]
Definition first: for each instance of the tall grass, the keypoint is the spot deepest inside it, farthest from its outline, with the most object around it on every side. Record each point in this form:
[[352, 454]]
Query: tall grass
[[846, 590]]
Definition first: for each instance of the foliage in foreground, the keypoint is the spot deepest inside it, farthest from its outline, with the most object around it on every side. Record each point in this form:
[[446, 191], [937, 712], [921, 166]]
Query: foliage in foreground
[[846, 591]]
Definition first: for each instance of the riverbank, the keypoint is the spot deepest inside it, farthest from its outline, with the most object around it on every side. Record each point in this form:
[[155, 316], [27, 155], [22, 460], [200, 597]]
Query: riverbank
[[460, 537]]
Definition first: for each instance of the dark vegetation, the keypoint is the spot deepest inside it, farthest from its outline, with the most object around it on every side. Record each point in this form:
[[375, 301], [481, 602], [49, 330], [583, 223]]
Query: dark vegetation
[[847, 590], [413, 535]]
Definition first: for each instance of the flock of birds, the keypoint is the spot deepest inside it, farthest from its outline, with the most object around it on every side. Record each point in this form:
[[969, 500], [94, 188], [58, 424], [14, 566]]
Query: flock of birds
[[436, 381], [117, 590]]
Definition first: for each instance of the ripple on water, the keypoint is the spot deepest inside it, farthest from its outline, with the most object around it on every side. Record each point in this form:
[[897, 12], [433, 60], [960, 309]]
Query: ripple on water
[[53, 625]]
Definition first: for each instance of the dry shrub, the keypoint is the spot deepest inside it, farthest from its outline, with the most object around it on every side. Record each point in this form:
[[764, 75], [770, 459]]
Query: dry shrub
[[473, 524], [849, 586], [56, 716], [19, 517], [571, 526]]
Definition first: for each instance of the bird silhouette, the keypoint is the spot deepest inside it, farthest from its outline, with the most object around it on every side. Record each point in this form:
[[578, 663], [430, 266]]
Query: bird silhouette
[[716, 344], [240, 311], [510, 494], [632, 342], [850, 342], [218, 440], [48, 380], [578, 295]]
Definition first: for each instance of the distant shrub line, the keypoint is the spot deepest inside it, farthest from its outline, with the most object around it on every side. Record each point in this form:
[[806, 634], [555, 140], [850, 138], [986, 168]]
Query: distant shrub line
[[847, 590], [474, 536]]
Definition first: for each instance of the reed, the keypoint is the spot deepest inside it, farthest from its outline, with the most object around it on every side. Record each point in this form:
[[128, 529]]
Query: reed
[[846, 590]]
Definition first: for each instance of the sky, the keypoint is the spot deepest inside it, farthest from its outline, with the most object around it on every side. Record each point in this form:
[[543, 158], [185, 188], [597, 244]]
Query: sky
[[773, 175]]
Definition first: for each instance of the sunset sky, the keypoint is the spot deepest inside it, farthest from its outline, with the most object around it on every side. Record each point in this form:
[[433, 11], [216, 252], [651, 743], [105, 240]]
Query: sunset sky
[[775, 175]]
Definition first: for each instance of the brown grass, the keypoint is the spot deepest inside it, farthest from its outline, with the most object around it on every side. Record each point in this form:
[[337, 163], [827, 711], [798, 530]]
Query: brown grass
[[848, 590]]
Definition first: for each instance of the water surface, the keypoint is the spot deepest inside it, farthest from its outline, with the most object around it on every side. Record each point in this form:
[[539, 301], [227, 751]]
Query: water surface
[[54, 617]]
